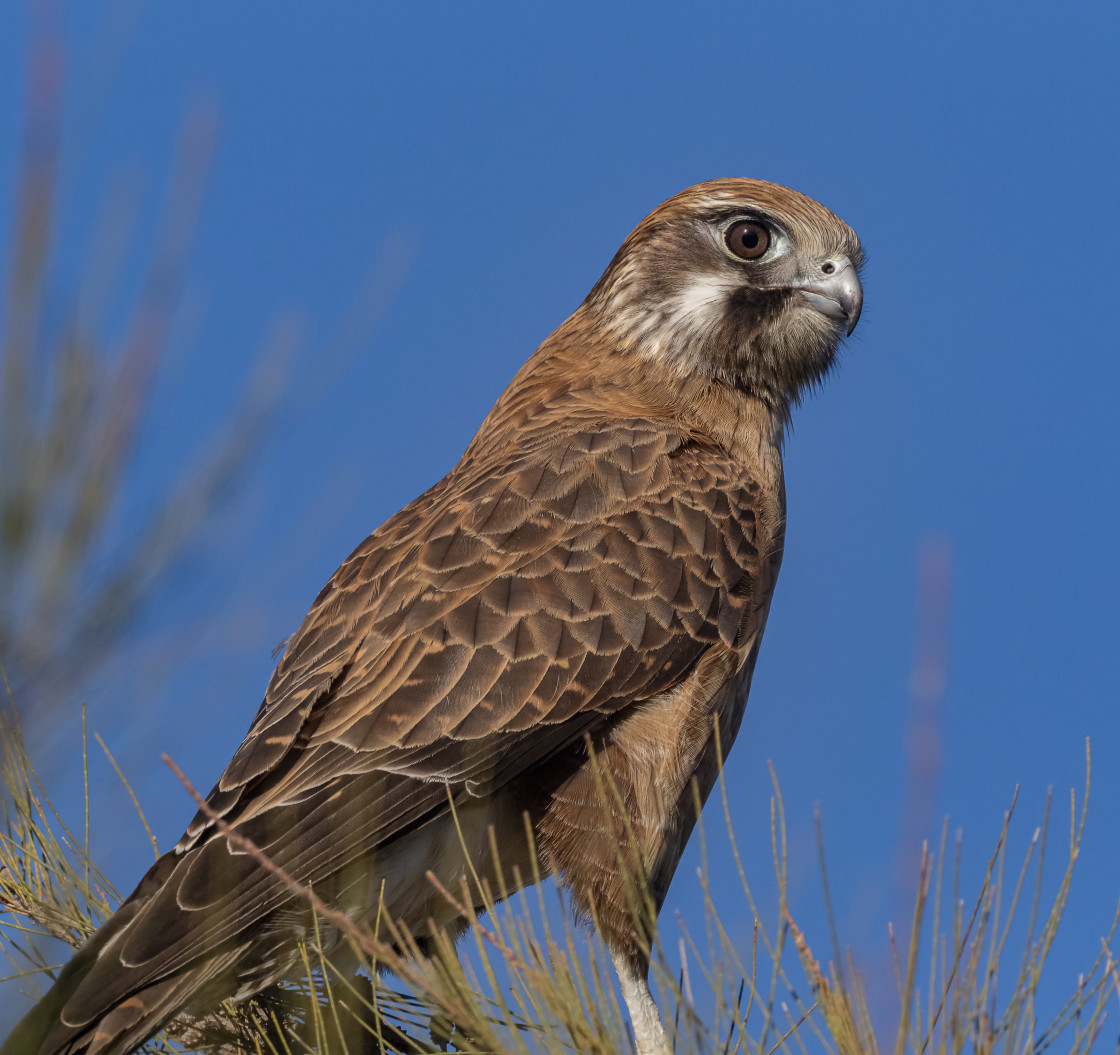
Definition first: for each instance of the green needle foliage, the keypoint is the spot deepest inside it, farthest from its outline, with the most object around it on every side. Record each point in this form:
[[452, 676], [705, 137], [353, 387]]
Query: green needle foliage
[[528, 984], [978, 993]]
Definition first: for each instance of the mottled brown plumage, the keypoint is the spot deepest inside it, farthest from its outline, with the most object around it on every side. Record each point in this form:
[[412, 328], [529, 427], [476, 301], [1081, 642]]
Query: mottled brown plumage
[[592, 576]]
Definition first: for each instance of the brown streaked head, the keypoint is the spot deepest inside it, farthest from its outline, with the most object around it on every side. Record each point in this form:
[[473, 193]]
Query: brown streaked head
[[739, 280]]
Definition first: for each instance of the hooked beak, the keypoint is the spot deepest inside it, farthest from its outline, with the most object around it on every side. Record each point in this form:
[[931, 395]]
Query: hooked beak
[[835, 292]]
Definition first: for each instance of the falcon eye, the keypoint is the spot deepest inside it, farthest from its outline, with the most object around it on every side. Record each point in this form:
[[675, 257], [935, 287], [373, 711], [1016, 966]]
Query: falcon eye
[[747, 239]]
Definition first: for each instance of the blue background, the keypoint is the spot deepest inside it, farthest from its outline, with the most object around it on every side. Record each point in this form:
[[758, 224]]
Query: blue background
[[483, 162]]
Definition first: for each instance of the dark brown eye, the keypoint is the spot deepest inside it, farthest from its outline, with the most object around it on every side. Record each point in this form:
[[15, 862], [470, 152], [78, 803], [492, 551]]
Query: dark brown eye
[[747, 239]]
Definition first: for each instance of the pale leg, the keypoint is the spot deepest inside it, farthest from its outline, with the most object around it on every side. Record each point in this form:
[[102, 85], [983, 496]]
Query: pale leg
[[649, 1036]]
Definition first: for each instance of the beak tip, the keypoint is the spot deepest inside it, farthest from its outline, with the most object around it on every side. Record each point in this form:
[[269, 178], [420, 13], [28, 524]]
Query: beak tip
[[839, 295], [851, 299]]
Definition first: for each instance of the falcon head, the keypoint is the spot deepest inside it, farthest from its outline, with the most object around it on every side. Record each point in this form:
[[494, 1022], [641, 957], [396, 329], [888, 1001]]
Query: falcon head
[[736, 280]]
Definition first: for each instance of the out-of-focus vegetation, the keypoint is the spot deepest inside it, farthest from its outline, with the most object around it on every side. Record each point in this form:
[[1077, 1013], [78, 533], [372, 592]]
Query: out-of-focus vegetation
[[73, 395]]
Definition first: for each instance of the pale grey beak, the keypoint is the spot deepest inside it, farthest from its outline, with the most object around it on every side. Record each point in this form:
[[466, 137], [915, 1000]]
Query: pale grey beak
[[835, 291]]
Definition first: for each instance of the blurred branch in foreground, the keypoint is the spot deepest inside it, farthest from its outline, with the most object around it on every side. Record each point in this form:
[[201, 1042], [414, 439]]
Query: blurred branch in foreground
[[927, 701], [71, 405]]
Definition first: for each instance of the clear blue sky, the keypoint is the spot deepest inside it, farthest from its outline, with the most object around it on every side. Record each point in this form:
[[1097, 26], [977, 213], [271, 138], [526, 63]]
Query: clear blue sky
[[499, 153]]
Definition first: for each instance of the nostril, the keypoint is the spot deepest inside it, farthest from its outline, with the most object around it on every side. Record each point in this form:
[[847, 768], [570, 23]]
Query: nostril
[[828, 268]]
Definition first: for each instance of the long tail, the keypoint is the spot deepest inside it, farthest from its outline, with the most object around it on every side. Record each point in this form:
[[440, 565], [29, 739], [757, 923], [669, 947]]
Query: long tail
[[58, 1025], [46, 1029]]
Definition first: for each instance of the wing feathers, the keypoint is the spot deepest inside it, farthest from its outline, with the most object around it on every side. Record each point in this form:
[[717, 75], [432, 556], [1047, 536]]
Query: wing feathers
[[475, 634]]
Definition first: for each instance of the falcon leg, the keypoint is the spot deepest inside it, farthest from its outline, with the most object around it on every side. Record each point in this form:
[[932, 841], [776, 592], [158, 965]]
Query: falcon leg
[[649, 1035]]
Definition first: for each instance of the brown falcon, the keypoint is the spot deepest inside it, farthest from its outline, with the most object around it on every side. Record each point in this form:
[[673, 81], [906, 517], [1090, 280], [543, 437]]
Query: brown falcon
[[586, 588]]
